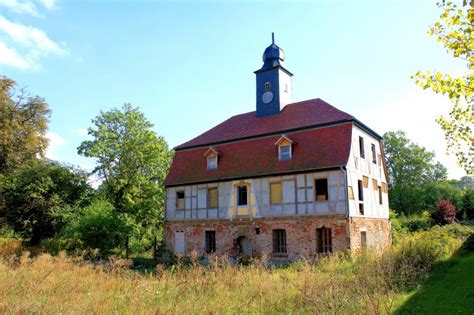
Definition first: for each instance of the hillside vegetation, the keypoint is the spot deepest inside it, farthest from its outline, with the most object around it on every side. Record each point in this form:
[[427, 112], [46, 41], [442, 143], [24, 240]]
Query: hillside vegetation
[[363, 284]]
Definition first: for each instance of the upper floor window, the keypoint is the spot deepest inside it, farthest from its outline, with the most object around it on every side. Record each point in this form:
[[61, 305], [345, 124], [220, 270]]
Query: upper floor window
[[242, 196], [212, 156], [321, 189], [374, 154], [212, 162], [213, 197], [275, 193], [180, 199], [284, 152], [268, 86], [361, 147], [285, 148]]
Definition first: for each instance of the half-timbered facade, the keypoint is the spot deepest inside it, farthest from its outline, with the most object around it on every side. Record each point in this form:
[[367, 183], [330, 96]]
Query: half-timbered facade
[[287, 180]]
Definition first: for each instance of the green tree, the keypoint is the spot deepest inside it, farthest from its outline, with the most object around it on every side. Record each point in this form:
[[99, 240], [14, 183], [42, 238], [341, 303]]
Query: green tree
[[97, 226], [23, 124], [132, 162], [455, 32], [410, 169], [33, 192]]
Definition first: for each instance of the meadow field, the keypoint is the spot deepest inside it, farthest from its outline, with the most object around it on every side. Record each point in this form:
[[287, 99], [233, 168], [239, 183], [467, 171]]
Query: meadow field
[[397, 281]]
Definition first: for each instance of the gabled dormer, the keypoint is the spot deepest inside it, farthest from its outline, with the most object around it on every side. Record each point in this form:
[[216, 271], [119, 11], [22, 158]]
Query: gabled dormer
[[212, 156], [285, 148]]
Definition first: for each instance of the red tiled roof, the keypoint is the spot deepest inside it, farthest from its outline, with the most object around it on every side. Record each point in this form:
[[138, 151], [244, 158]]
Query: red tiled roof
[[293, 116], [314, 149]]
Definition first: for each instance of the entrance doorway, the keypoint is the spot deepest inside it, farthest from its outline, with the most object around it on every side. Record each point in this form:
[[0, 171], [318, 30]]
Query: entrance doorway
[[244, 246]]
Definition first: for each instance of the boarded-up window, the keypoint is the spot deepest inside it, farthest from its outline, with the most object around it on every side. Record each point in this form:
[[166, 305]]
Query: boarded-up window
[[375, 185], [361, 147], [374, 154], [180, 199], [384, 188], [363, 239], [179, 242], [212, 197], [242, 195], [279, 241], [360, 190], [350, 192], [380, 195], [379, 156], [323, 240], [210, 241], [275, 193], [321, 189], [365, 179]]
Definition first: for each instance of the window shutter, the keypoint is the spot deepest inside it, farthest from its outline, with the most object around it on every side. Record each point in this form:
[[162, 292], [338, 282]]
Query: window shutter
[[365, 179], [213, 198]]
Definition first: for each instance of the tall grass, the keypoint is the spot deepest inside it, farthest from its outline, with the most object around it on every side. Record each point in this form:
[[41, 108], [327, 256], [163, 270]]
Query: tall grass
[[364, 283]]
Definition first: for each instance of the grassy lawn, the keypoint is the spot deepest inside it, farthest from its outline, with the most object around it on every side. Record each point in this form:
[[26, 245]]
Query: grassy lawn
[[450, 290]]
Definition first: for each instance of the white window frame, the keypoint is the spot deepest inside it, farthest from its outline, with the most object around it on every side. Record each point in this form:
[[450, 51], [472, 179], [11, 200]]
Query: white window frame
[[212, 162], [280, 154]]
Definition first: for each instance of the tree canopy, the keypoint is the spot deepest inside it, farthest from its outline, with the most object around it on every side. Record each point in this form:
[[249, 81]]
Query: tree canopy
[[23, 124], [410, 168], [455, 31], [132, 162]]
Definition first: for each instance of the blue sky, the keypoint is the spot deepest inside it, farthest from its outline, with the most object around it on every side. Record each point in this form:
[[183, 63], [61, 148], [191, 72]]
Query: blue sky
[[189, 64]]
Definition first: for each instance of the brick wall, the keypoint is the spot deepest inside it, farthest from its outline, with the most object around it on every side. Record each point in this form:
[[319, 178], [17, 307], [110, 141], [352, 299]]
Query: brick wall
[[300, 235]]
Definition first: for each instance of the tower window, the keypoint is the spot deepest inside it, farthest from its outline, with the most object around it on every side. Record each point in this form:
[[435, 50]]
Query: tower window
[[374, 154], [286, 87], [268, 86]]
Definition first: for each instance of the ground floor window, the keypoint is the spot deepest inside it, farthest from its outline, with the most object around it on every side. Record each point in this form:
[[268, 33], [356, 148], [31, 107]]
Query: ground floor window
[[210, 241], [323, 240], [363, 239], [279, 241]]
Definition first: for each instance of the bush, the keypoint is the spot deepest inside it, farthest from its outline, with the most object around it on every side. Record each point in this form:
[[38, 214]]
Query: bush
[[97, 226], [445, 214], [416, 222], [468, 204]]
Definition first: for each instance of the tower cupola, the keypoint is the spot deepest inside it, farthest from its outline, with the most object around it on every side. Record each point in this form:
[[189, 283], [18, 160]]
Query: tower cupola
[[274, 88]]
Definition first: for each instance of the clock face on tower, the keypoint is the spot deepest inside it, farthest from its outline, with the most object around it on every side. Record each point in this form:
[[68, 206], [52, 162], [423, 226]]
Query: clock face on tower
[[267, 97]]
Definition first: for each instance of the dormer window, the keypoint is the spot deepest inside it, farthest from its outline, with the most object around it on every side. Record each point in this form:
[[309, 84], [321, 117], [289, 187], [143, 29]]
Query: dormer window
[[268, 86], [285, 148], [284, 152], [212, 163], [212, 156]]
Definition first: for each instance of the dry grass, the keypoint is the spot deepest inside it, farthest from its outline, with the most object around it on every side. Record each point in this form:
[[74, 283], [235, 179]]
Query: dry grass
[[338, 284]]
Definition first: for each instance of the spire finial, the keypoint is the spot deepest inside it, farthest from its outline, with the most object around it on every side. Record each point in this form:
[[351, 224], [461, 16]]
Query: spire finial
[[273, 38]]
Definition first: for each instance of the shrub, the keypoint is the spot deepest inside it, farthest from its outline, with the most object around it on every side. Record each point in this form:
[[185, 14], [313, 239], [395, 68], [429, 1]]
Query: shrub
[[97, 226], [445, 213], [468, 203], [416, 222]]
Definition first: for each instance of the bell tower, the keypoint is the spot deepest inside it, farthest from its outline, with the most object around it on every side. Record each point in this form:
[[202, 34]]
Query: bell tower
[[274, 88]]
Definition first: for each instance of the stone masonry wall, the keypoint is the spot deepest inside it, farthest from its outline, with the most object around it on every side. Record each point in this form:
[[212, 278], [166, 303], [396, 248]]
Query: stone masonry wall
[[300, 235], [377, 231]]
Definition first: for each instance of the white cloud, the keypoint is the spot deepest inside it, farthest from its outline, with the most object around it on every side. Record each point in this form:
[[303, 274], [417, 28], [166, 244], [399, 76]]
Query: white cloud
[[49, 4], [9, 56], [81, 131], [27, 7], [55, 141], [26, 45]]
